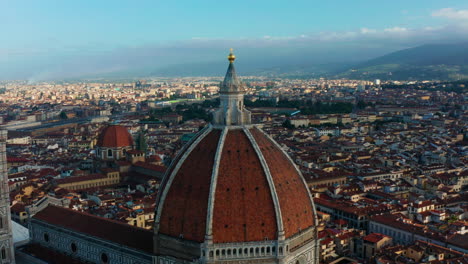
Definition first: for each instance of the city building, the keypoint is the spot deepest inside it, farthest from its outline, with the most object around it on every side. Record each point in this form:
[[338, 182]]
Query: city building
[[373, 243], [113, 142], [231, 194], [107, 178]]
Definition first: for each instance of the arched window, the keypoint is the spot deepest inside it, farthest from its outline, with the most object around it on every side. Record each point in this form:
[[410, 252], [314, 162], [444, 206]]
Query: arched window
[[46, 237], [3, 253], [73, 247], [109, 153], [104, 258]]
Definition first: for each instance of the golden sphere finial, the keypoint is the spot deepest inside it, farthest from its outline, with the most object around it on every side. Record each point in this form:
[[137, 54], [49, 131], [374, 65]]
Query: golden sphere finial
[[231, 56]]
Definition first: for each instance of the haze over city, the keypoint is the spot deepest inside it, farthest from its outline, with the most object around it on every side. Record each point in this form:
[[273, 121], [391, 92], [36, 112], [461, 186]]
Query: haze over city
[[54, 40]]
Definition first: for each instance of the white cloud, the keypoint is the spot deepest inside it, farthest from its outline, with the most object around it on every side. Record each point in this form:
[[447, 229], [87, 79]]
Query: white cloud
[[452, 14], [368, 31], [396, 30], [432, 28], [334, 36]]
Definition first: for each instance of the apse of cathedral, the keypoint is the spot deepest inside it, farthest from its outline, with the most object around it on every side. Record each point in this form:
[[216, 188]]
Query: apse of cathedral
[[231, 195]]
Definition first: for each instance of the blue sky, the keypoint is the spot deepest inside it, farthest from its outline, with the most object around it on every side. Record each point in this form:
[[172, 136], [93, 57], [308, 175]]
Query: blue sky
[[38, 34]]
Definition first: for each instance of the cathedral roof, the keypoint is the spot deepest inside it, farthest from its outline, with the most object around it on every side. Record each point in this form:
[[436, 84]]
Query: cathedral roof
[[237, 185], [112, 231], [232, 183], [114, 136]]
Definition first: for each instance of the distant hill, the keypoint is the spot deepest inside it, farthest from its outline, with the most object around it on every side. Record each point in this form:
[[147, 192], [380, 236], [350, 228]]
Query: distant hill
[[253, 69], [427, 62], [437, 61]]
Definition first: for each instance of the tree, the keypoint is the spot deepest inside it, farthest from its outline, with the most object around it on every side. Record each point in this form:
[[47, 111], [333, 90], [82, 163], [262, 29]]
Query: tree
[[452, 218], [361, 104], [63, 115], [141, 144], [287, 124]]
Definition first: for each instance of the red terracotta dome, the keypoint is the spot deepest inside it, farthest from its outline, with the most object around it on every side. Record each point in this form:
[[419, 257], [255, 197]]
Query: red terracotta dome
[[232, 194], [233, 184], [114, 136]]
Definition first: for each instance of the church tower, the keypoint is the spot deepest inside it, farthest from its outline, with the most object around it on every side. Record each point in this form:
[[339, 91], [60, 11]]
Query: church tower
[[7, 255], [232, 195], [231, 95]]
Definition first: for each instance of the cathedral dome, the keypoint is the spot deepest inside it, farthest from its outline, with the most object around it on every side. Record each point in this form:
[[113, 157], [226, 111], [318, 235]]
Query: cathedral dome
[[234, 185], [114, 136], [232, 193]]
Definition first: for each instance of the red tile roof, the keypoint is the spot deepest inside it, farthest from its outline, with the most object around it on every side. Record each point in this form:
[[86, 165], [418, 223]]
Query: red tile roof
[[374, 237], [243, 209], [18, 207], [295, 204], [186, 204], [243, 204], [114, 137], [150, 166], [120, 233], [74, 179], [16, 159]]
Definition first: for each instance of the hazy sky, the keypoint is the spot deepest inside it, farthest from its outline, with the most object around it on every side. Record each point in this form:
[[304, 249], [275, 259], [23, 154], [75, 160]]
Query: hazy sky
[[55, 39]]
